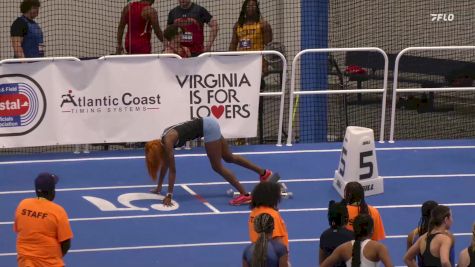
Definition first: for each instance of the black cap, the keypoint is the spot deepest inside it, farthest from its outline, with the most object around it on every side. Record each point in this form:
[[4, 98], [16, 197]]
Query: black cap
[[45, 182]]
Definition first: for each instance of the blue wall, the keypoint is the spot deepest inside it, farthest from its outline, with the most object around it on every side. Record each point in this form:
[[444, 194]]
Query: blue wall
[[314, 34]]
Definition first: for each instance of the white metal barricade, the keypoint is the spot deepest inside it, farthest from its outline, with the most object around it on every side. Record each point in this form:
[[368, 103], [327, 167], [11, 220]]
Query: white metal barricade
[[352, 91], [141, 56], [284, 79], [36, 59], [396, 73]]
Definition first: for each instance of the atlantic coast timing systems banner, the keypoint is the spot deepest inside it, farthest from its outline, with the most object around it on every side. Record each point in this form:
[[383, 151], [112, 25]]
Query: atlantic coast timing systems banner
[[125, 99]]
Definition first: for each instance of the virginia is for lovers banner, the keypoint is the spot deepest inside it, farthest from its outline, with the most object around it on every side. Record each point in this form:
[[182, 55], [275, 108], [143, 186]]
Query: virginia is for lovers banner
[[125, 99]]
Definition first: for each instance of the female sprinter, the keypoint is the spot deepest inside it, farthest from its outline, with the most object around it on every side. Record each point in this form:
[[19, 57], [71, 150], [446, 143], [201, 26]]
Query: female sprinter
[[436, 243], [423, 227], [467, 255], [361, 252], [159, 154]]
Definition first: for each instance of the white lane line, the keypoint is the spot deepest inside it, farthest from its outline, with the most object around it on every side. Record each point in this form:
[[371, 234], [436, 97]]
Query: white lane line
[[297, 180], [429, 176], [200, 198], [236, 212], [165, 215], [238, 153], [203, 245], [178, 184]]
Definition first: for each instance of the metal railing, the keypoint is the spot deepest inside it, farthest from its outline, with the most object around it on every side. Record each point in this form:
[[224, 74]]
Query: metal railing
[[284, 79], [141, 56], [352, 91], [37, 59], [396, 73]]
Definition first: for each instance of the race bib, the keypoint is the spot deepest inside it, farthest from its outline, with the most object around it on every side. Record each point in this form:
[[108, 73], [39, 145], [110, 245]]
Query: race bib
[[41, 49], [245, 44], [187, 37]]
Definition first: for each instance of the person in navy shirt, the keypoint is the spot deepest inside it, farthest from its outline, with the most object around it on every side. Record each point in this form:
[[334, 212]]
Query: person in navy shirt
[[337, 234], [191, 17], [26, 34]]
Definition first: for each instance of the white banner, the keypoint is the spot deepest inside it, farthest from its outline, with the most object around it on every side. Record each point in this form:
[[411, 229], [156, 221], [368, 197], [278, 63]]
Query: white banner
[[125, 99]]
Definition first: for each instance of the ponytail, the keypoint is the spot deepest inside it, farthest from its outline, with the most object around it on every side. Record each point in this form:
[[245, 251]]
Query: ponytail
[[437, 217], [153, 157], [354, 193], [363, 207], [363, 226], [426, 210], [337, 214], [263, 225], [356, 253]]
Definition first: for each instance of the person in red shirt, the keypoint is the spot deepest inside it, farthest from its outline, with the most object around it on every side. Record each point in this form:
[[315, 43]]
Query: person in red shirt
[[42, 226], [191, 17], [140, 18]]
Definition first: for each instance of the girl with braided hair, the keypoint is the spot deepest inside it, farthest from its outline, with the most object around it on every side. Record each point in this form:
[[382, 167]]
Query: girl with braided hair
[[265, 199], [265, 252], [467, 255], [356, 204], [362, 251], [435, 245], [337, 233], [251, 32]]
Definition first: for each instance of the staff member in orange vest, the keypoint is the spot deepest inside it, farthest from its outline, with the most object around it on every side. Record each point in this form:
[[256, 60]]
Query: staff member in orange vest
[[265, 198], [42, 226]]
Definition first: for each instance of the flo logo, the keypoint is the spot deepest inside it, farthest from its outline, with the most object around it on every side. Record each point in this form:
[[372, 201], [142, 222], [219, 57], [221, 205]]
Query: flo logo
[[22, 104], [442, 17]]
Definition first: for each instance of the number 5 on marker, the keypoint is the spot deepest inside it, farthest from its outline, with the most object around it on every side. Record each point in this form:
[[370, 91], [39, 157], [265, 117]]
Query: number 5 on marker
[[342, 162], [364, 164]]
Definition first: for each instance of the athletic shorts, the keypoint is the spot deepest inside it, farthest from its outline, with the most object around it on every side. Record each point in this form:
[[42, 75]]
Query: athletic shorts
[[211, 130]]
